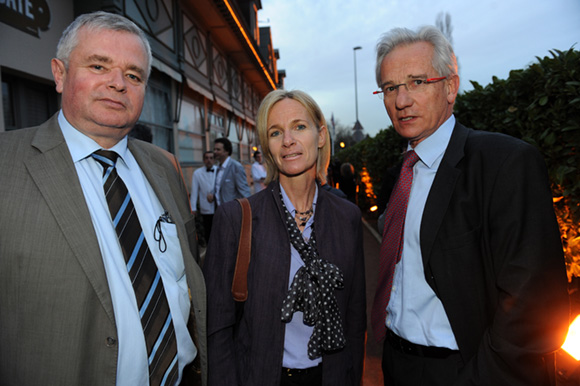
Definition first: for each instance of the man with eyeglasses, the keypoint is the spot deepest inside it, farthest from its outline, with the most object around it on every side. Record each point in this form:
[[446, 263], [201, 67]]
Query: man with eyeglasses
[[472, 286]]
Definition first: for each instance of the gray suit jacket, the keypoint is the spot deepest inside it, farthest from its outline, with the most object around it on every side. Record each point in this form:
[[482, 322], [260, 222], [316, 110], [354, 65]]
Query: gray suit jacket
[[57, 324], [233, 182]]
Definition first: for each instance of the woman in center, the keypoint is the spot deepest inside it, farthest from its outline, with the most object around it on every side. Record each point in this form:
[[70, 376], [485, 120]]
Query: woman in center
[[304, 320]]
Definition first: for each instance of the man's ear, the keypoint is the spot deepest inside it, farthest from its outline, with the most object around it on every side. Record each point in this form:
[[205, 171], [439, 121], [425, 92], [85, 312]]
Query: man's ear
[[58, 73], [452, 88]]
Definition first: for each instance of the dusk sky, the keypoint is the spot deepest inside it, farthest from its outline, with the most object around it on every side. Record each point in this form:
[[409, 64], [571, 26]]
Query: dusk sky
[[490, 38]]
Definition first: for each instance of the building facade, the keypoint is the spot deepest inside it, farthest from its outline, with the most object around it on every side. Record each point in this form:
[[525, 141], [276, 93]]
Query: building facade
[[212, 65]]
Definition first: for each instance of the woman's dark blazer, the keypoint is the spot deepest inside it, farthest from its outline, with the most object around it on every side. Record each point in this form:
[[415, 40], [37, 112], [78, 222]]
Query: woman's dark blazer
[[246, 342]]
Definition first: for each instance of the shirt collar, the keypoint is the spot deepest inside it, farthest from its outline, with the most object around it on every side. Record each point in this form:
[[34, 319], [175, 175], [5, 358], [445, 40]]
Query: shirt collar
[[81, 146], [432, 147], [226, 162]]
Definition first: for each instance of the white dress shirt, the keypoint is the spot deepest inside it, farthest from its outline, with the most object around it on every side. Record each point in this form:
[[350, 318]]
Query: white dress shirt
[[414, 312], [258, 173], [132, 363], [202, 184]]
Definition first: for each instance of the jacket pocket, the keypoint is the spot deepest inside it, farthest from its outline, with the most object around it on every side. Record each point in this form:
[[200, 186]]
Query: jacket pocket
[[462, 240]]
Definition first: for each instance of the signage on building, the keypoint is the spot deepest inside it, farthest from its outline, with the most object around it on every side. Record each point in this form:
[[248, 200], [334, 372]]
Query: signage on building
[[30, 16]]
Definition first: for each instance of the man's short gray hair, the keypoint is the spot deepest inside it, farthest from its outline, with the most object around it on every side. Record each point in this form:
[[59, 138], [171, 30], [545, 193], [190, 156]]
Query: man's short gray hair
[[444, 60], [95, 21]]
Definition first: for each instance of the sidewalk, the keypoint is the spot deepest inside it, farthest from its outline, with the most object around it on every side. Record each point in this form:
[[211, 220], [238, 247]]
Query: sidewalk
[[373, 375]]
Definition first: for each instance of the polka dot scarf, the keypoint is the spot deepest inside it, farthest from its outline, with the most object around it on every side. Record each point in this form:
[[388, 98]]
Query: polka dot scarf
[[312, 292]]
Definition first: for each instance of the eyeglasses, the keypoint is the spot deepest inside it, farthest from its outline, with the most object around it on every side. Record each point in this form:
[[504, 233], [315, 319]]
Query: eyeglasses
[[389, 91]]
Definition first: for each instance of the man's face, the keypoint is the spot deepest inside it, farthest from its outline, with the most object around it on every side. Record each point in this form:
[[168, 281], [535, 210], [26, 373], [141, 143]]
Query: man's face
[[219, 152], [417, 115], [208, 160], [103, 88], [259, 158]]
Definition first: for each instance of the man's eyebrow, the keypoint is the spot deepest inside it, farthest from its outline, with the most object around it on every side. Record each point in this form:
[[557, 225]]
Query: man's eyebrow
[[138, 70], [108, 60], [410, 76], [99, 58]]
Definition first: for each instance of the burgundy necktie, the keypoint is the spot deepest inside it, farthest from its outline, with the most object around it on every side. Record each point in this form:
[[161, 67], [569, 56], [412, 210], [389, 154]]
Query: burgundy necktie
[[392, 243]]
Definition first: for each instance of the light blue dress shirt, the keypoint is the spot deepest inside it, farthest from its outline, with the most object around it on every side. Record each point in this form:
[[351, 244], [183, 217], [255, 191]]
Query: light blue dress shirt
[[132, 364], [297, 333], [414, 312]]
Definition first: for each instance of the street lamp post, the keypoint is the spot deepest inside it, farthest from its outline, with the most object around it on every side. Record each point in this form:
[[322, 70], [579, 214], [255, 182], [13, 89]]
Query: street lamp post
[[354, 50]]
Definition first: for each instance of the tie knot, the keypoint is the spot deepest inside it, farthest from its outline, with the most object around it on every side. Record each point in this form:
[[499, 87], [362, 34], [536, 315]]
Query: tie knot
[[410, 159], [106, 158]]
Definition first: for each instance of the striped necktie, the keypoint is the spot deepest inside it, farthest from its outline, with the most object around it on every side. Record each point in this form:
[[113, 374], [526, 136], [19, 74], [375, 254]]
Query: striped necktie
[[147, 283], [392, 243]]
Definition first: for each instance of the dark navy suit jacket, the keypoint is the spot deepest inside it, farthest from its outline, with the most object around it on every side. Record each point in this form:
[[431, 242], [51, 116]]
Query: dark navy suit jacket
[[492, 253]]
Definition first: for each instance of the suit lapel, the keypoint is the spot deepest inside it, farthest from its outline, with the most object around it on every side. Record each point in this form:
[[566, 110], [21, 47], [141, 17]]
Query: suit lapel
[[156, 176], [442, 190], [55, 175], [228, 169], [225, 174]]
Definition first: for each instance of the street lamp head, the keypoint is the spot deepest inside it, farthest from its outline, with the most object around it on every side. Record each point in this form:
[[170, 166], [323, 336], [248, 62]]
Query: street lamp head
[[357, 48]]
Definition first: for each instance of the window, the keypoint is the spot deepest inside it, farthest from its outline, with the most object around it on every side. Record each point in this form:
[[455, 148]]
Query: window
[[25, 102], [190, 134], [157, 110]]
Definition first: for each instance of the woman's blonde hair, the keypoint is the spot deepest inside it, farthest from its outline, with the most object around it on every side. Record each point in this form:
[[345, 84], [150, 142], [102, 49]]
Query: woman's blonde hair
[[315, 113]]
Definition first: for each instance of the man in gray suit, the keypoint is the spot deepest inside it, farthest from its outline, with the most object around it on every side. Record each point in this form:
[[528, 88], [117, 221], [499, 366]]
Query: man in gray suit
[[231, 182], [69, 314]]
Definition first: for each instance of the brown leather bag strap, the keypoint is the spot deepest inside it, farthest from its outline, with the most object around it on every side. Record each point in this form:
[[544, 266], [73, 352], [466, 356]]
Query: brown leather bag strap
[[240, 282]]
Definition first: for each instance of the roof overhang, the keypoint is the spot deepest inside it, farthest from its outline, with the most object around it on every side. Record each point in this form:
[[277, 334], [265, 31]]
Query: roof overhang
[[229, 31]]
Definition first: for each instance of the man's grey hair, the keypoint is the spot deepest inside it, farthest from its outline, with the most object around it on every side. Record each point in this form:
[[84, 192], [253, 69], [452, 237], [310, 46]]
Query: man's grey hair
[[444, 60], [96, 21]]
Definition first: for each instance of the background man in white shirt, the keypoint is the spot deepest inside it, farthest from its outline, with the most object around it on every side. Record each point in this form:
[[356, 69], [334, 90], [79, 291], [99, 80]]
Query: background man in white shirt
[[258, 172], [202, 186]]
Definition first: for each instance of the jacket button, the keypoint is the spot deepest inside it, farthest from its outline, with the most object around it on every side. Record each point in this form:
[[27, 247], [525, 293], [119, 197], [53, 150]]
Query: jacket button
[[111, 342]]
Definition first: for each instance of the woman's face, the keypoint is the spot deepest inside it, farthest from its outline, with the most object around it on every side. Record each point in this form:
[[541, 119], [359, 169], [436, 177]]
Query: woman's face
[[294, 139]]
